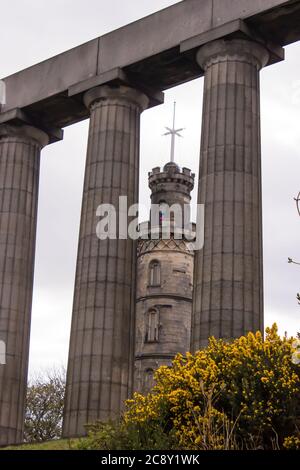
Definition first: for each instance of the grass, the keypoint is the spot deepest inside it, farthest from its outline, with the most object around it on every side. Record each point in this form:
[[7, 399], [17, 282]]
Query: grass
[[60, 444]]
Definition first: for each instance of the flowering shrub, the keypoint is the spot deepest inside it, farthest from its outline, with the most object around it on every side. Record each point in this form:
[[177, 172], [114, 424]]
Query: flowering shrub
[[292, 443], [240, 394]]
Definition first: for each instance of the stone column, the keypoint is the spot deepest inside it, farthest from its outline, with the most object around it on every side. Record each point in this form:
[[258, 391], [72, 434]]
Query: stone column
[[19, 178], [228, 286], [101, 352]]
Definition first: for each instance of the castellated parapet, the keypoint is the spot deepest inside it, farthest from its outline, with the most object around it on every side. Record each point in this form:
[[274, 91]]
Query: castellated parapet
[[171, 185]]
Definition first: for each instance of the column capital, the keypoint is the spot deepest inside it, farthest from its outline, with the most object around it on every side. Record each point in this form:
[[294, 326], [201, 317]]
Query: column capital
[[116, 93], [17, 122], [26, 132], [116, 78], [234, 49]]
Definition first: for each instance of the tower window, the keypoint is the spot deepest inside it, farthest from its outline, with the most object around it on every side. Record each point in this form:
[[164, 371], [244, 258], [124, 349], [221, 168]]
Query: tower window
[[152, 325], [154, 273]]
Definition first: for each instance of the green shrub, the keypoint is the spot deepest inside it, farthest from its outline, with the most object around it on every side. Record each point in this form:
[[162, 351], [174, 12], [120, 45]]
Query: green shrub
[[123, 436]]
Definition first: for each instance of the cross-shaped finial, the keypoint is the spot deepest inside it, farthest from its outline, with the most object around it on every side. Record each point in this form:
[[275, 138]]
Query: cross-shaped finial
[[173, 133]]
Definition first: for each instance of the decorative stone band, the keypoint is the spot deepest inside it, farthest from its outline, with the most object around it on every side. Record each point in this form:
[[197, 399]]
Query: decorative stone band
[[97, 95], [235, 49], [146, 246], [24, 133]]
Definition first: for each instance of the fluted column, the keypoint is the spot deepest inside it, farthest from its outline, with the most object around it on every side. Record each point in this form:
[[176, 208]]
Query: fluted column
[[228, 286], [101, 352], [19, 178]]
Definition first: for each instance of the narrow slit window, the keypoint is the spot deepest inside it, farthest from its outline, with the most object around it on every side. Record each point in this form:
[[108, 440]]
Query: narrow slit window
[[154, 273], [152, 325]]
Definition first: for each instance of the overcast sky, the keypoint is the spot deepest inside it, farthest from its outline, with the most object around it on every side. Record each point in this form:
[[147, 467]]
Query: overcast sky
[[34, 30]]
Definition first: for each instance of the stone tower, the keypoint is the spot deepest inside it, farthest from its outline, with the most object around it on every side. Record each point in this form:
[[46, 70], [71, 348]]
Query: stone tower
[[164, 279]]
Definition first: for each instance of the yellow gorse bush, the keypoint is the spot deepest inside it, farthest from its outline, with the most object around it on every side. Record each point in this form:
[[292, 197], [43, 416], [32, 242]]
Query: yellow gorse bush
[[222, 395]]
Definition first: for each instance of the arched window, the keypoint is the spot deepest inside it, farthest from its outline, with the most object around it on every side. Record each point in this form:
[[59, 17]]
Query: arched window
[[148, 380], [152, 325], [154, 273]]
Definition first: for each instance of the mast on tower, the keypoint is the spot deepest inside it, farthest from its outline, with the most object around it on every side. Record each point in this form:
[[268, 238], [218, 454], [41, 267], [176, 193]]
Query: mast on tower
[[173, 133]]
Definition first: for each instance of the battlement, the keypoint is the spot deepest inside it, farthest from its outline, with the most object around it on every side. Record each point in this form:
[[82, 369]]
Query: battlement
[[170, 175]]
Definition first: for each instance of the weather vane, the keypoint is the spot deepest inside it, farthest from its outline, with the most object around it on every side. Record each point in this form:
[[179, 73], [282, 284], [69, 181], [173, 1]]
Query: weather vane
[[173, 133]]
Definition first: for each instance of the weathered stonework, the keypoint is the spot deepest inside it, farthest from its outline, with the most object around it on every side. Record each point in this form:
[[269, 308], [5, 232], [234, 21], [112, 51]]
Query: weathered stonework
[[100, 80], [20, 149], [101, 352], [228, 288], [164, 299]]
